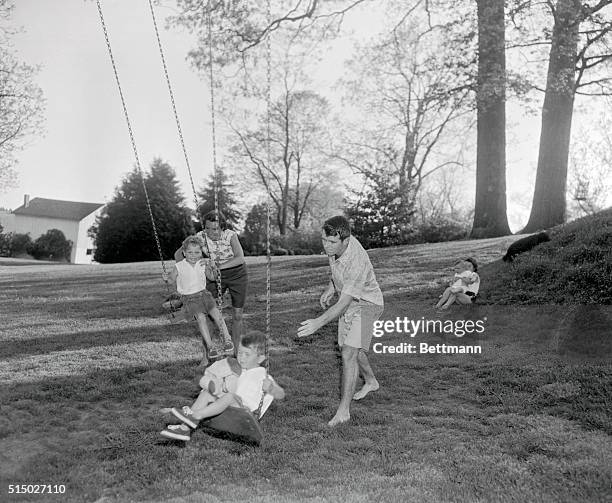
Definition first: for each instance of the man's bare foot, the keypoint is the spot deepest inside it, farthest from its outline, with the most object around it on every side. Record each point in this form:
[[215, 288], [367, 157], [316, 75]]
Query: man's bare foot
[[367, 387], [339, 419]]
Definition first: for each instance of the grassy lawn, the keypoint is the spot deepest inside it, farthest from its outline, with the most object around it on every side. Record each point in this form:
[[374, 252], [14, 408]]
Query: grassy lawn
[[89, 358]]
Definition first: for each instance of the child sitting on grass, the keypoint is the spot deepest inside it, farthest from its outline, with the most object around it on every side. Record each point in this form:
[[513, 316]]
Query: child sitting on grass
[[249, 390], [190, 278], [464, 286]]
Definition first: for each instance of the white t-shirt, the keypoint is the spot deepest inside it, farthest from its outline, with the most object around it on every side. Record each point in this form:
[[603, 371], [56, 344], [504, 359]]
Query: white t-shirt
[[191, 278], [249, 389], [467, 276]]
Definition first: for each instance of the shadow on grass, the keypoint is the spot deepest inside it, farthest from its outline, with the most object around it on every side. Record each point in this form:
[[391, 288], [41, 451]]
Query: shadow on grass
[[526, 420], [71, 341], [432, 413]]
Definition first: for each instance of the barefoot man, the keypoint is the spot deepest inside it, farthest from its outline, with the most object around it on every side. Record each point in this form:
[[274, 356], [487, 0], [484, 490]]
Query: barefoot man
[[360, 303]]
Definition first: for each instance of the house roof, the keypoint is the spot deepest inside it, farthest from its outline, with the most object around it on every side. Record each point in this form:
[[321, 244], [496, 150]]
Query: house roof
[[53, 208]]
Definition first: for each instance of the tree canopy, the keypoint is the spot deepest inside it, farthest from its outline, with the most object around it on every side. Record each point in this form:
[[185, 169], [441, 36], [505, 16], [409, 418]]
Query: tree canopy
[[124, 232], [219, 187], [21, 102]]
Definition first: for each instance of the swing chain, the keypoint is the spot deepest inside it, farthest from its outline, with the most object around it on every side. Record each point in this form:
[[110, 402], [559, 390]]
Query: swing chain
[[269, 161], [184, 148], [214, 146], [133, 141], [170, 91]]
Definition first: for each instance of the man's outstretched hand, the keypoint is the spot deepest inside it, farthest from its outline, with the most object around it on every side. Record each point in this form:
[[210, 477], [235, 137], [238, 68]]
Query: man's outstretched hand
[[308, 327]]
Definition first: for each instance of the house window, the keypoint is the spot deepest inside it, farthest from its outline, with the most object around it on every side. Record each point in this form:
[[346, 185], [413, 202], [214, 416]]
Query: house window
[[89, 251]]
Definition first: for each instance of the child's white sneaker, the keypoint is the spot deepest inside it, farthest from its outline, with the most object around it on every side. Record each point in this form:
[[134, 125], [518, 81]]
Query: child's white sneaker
[[177, 432], [185, 414]]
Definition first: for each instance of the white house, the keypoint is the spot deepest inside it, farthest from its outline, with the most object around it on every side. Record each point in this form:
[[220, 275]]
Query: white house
[[7, 220], [40, 215]]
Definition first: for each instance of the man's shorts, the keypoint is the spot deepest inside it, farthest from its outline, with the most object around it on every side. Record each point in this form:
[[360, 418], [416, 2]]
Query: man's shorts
[[201, 302], [357, 323], [234, 279]]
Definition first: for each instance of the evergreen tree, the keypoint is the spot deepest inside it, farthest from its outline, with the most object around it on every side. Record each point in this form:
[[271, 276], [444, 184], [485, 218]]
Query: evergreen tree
[[124, 233], [226, 202], [380, 215], [253, 238]]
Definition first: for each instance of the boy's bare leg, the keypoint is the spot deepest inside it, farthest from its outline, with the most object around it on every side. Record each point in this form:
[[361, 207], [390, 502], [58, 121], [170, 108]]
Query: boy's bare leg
[[370, 384], [203, 326], [213, 408], [444, 297], [204, 398], [217, 317], [350, 371], [451, 300], [237, 326]]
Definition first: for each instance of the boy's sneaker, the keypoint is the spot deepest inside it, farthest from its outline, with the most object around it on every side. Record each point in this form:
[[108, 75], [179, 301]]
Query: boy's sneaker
[[228, 347], [186, 415], [213, 353], [176, 432]]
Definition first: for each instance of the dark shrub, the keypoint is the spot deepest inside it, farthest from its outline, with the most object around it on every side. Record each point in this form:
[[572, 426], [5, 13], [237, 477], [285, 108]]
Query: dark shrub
[[5, 243], [52, 245], [440, 230], [20, 244]]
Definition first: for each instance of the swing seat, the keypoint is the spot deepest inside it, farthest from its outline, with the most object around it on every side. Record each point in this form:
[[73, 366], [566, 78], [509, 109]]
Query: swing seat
[[238, 422], [173, 303]]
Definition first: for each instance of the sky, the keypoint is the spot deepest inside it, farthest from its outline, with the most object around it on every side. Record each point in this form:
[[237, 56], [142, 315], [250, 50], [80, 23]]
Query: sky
[[86, 149]]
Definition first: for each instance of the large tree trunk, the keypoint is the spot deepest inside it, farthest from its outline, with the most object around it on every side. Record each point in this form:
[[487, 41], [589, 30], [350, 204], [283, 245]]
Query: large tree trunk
[[490, 217], [548, 207]]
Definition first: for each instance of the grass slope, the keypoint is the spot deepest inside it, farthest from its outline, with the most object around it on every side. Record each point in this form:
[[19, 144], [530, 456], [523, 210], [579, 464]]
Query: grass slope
[[88, 359], [574, 267]]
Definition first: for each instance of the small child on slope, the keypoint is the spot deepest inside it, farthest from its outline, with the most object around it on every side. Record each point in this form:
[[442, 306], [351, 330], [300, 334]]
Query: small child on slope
[[464, 286]]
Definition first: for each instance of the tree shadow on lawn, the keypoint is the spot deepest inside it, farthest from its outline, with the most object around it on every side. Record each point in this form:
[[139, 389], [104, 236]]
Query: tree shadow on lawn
[[110, 304], [71, 341], [109, 421], [534, 358], [508, 424], [139, 296], [471, 425], [288, 276]]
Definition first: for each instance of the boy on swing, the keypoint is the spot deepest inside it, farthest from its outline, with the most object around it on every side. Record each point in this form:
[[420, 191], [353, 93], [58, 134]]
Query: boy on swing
[[248, 389], [190, 276]]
